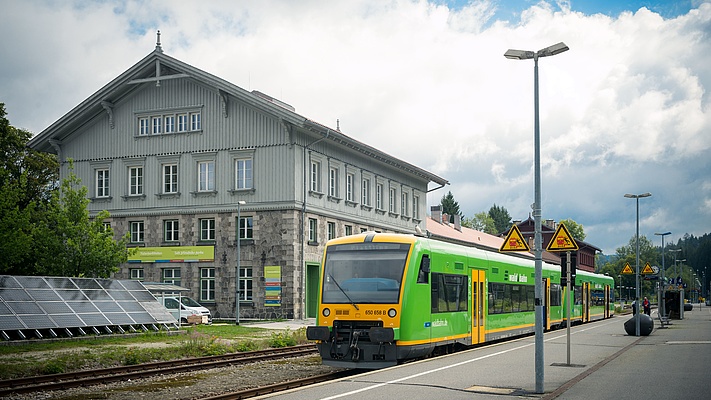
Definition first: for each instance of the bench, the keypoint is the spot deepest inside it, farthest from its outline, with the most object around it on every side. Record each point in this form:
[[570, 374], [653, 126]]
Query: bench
[[663, 319]]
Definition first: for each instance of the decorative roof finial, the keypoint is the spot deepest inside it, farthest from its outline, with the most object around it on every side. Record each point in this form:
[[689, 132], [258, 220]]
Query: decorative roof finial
[[158, 48]]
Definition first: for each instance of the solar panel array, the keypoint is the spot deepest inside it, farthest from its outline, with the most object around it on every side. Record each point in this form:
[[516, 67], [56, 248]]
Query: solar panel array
[[37, 306]]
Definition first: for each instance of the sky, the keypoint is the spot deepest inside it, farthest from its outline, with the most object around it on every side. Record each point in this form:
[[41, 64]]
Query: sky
[[626, 110]]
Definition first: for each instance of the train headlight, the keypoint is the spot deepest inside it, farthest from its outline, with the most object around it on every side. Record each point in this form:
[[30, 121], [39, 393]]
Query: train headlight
[[392, 313], [326, 312]]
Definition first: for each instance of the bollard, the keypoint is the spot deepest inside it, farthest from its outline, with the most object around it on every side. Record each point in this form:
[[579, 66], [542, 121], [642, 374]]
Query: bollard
[[646, 325]]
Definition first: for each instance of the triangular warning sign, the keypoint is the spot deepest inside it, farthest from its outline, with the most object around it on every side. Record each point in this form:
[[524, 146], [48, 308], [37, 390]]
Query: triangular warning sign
[[562, 240], [647, 269], [514, 241], [627, 269]]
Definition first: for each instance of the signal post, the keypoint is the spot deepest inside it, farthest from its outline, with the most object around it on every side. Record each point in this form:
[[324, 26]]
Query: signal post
[[563, 241]]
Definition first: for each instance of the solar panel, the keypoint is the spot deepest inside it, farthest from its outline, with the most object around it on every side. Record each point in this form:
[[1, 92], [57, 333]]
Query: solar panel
[[33, 304]]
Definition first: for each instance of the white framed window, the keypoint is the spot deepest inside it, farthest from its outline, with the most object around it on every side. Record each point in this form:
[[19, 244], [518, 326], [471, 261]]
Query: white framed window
[[392, 197], [313, 233], [135, 181], [195, 124], [206, 176], [171, 275], [349, 187], [136, 274], [333, 182], [143, 126], [379, 196], [156, 123], [207, 229], [403, 203], [102, 183], [182, 122], [365, 192], [105, 226], [315, 176], [245, 283], [170, 124], [331, 230], [170, 178], [243, 173], [246, 230], [207, 284], [136, 229], [349, 230], [171, 230], [416, 207]]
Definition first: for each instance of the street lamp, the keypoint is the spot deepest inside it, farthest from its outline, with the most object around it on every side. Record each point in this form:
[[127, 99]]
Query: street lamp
[[637, 197], [537, 245], [237, 291], [662, 288]]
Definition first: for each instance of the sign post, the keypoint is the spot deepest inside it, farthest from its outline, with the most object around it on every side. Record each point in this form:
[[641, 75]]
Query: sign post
[[563, 241]]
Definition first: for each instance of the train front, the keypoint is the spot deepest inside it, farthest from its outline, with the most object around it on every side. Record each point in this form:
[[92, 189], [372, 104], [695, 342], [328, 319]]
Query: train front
[[360, 300]]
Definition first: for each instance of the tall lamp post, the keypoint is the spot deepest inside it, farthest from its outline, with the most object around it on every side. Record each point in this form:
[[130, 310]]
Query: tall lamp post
[[237, 291], [637, 197], [662, 288], [537, 245]]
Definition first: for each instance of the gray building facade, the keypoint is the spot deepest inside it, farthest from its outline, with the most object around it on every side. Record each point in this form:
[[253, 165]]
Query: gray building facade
[[194, 167]]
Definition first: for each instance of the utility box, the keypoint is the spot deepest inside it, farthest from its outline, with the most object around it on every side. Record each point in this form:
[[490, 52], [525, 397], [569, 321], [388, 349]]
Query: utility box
[[197, 319]]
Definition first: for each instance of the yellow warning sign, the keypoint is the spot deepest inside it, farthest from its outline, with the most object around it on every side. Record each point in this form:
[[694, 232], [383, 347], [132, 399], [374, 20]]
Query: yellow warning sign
[[514, 241], [647, 269], [627, 269], [562, 240]]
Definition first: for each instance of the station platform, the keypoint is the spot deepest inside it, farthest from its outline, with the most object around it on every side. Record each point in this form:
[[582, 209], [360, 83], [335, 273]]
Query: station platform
[[672, 362]]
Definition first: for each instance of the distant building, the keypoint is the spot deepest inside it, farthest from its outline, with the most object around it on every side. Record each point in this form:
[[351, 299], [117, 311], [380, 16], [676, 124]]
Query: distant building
[[175, 154], [586, 251]]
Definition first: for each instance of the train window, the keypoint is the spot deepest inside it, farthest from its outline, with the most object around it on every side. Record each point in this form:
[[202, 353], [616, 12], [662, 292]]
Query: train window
[[449, 293], [509, 298], [364, 273], [556, 295], [423, 273]]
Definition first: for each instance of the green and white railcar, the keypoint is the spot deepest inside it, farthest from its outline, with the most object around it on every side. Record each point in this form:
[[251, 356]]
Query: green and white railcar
[[385, 298]]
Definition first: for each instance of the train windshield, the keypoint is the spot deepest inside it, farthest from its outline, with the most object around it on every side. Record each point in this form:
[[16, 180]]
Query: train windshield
[[364, 273]]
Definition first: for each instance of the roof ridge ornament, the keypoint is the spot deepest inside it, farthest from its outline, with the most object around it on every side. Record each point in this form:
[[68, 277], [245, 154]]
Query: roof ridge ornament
[[158, 47]]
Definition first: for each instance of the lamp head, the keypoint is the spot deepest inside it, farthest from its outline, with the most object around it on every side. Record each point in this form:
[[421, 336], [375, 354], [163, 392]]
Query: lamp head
[[553, 50]]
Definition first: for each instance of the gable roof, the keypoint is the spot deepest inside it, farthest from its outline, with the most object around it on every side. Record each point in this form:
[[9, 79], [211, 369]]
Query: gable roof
[[157, 66]]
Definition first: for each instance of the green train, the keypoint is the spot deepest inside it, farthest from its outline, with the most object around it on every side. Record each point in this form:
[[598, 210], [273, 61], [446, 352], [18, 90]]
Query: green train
[[385, 298]]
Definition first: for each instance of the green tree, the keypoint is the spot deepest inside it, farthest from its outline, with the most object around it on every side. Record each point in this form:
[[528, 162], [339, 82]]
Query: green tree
[[576, 230], [72, 243], [481, 222], [450, 206], [27, 178], [501, 217]]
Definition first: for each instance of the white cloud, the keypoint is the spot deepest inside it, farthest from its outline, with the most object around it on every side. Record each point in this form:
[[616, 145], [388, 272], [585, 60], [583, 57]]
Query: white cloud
[[626, 109]]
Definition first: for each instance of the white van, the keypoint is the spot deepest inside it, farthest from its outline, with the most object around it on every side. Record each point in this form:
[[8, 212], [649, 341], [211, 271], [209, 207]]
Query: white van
[[187, 307]]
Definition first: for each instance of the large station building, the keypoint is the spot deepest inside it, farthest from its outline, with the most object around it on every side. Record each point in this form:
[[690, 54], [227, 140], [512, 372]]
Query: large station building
[[227, 192]]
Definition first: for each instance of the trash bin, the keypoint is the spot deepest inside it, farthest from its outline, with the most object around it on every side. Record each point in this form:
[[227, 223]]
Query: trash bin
[[688, 307], [646, 325]]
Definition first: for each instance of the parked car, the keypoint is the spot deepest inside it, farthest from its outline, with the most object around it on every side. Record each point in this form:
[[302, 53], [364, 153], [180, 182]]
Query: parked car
[[187, 308]]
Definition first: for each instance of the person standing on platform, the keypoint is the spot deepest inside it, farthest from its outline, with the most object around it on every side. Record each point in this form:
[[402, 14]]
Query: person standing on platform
[[647, 306], [634, 306]]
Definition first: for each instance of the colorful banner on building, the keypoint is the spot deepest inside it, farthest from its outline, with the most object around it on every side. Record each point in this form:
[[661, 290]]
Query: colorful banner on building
[[173, 254], [272, 285]]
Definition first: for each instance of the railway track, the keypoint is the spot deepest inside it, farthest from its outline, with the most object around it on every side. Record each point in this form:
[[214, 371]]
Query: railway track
[[125, 373], [280, 387]]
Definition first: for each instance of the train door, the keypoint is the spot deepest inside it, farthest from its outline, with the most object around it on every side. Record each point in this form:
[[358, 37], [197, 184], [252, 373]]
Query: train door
[[547, 302], [586, 301], [477, 306], [606, 301]]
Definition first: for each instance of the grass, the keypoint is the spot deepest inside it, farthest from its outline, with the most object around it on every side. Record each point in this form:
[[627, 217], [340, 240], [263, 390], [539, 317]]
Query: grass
[[40, 358]]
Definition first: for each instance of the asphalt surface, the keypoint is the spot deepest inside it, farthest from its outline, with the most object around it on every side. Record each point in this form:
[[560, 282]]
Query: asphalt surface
[[673, 362]]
